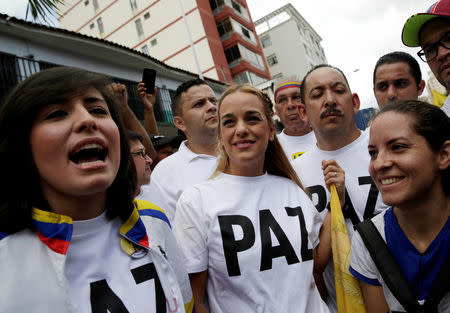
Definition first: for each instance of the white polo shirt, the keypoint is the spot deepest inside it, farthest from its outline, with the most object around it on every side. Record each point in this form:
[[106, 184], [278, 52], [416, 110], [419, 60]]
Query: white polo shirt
[[174, 174]]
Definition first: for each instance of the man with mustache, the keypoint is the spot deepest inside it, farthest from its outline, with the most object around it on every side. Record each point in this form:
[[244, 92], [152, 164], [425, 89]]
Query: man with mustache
[[431, 31], [195, 114], [340, 156]]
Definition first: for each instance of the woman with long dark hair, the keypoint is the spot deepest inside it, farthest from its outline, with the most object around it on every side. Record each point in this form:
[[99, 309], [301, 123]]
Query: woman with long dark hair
[[72, 239]]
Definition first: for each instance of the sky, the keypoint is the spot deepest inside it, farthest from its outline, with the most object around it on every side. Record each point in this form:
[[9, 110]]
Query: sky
[[355, 33]]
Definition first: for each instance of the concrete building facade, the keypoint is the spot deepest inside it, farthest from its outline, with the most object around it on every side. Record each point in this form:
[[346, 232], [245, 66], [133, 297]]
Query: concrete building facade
[[290, 45], [28, 48], [216, 38]]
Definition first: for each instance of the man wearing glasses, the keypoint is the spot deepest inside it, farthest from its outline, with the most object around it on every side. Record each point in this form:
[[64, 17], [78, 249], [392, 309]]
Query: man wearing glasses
[[142, 161], [431, 31]]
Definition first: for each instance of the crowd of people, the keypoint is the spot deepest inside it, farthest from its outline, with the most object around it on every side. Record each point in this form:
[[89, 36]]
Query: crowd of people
[[98, 213]]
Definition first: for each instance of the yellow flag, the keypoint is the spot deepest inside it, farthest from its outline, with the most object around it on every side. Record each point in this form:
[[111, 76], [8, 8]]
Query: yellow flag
[[348, 293], [438, 98]]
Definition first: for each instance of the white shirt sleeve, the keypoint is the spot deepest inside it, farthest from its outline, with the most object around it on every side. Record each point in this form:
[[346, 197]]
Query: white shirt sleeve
[[361, 261], [190, 231]]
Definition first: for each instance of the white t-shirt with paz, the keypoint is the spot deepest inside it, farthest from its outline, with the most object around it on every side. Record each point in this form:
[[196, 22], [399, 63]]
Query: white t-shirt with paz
[[364, 196], [255, 236]]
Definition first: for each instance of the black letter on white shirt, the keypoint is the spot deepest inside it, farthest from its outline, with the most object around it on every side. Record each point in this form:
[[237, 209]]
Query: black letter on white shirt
[[321, 195], [307, 254], [104, 300], [268, 252], [231, 246], [147, 272]]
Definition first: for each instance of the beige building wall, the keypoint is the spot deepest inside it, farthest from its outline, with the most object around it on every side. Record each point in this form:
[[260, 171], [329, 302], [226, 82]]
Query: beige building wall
[[164, 31]]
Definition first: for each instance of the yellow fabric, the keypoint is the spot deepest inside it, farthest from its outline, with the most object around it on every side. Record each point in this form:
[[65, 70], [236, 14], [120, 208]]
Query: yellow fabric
[[348, 292], [189, 307], [438, 98]]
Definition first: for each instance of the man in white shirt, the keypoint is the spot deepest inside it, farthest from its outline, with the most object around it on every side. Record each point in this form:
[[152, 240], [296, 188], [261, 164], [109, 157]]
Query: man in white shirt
[[297, 136], [195, 113], [431, 31], [341, 148]]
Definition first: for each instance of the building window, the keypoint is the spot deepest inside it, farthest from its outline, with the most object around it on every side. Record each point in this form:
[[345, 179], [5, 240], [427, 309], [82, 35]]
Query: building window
[[236, 6], [140, 30], [133, 5], [272, 60], [95, 2], [100, 26], [91, 26], [153, 42], [86, 2], [146, 16], [239, 51], [145, 49], [306, 49], [246, 33], [225, 27], [278, 75], [232, 53], [266, 42], [216, 4]]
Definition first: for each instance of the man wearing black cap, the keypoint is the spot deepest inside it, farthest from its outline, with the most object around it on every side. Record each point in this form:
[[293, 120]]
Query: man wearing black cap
[[431, 31]]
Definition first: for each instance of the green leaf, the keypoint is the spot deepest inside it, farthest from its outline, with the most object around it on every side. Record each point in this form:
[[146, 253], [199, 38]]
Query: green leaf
[[43, 9]]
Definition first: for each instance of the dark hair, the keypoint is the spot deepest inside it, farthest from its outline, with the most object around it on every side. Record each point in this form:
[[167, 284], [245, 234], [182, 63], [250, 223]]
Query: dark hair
[[19, 180], [303, 85], [400, 57], [430, 122], [131, 135], [176, 102], [275, 160]]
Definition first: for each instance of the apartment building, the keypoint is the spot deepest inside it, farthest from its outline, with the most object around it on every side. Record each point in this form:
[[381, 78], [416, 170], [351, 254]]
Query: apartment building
[[216, 38], [290, 45]]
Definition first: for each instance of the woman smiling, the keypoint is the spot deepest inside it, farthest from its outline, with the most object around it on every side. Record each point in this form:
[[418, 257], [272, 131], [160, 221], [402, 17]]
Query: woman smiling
[[249, 232], [410, 163]]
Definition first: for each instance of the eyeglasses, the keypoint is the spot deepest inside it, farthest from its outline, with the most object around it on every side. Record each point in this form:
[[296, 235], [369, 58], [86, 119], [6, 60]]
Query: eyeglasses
[[429, 52], [140, 152]]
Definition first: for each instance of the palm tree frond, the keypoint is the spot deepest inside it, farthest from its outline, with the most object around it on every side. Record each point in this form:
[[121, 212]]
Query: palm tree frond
[[42, 9]]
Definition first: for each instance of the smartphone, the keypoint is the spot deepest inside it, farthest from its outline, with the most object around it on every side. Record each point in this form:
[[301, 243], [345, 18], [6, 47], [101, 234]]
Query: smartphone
[[148, 77]]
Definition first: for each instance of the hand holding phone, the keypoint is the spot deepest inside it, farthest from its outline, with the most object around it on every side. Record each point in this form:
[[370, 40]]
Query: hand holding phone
[[148, 77]]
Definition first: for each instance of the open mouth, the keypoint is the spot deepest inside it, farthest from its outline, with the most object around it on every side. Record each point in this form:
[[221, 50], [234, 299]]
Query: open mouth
[[89, 154]]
